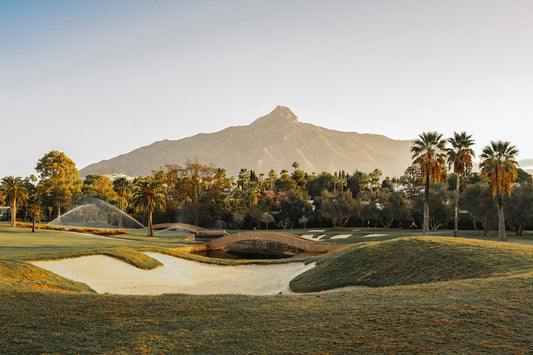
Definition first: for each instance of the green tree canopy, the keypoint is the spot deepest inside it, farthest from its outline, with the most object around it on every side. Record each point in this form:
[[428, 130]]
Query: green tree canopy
[[477, 200], [339, 207], [148, 196], [99, 186], [201, 185], [429, 153], [460, 156], [122, 186], [396, 207], [519, 208], [499, 165], [59, 178], [294, 207], [15, 193]]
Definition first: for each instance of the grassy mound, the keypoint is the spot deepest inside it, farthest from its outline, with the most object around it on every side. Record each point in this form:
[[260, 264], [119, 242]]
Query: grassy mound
[[128, 255], [21, 275], [414, 260], [179, 253]]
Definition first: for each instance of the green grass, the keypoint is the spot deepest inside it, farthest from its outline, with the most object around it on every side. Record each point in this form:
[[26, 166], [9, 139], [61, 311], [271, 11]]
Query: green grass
[[414, 260], [491, 315], [359, 235], [23, 241], [231, 262], [438, 295], [17, 275], [128, 255]]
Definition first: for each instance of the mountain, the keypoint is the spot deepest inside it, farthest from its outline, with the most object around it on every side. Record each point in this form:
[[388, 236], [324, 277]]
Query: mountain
[[273, 141], [527, 165]]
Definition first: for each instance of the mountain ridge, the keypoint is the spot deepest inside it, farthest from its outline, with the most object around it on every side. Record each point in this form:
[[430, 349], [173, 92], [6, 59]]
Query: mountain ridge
[[273, 141]]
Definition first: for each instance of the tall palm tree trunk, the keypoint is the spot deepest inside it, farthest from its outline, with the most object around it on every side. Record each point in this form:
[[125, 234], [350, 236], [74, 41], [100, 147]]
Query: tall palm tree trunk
[[150, 227], [425, 227], [501, 220], [120, 214], [14, 213], [456, 225]]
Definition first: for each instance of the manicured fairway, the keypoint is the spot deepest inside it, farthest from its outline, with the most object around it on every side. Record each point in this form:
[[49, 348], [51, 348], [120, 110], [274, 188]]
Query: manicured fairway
[[23, 241]]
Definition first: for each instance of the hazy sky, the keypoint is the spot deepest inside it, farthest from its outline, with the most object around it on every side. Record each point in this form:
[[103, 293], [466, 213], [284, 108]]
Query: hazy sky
[[96, 79]]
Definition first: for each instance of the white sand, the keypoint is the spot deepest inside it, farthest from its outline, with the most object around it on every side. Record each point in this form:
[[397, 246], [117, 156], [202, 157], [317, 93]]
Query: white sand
[[105, 274], [308, 236], [316, 230], [340, 236]]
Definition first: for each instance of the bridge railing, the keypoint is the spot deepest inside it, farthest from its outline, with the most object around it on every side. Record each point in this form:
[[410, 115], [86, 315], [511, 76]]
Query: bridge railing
[[285, 238], [188, 228]]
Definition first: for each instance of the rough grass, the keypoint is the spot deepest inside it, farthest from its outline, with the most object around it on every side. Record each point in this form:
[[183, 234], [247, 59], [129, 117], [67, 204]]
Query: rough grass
[[16, 275], [486, 306], [414, 260], [23, 241], [128, 255], [493, 315], [195, 257]]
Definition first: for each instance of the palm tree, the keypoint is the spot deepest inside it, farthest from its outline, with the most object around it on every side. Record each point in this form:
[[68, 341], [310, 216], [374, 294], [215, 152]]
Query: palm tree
[[498, 164], [36, 214], [121, 185], [272, 179], [15, 193], [148, 195], [460, 159], [429, 153], [244, 178]]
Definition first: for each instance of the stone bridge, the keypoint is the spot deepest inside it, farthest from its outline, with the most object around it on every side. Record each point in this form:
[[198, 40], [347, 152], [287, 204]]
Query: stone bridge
[[189, 228], [283, 238]]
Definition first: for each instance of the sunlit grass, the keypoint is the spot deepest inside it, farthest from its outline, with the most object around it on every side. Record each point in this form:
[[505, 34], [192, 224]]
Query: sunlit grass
[[437, 295], [364, 234], [492, 315], [23, 241], [18, 275], [414, 260]]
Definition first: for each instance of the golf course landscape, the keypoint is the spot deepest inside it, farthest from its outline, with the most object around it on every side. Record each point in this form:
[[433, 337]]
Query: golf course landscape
[[416, 294], [266, 177]]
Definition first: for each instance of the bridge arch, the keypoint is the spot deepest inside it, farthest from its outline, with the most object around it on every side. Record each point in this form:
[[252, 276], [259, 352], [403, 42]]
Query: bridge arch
[[189, 228], [284, 238]]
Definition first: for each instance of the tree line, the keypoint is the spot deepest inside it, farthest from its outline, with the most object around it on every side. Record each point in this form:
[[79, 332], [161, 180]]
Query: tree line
[[439, 190]]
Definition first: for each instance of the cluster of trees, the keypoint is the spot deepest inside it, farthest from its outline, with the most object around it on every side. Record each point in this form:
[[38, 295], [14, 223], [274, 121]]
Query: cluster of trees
[[498, 167], [427, 194]]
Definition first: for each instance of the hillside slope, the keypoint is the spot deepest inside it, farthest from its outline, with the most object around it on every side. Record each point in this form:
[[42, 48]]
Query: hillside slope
[[273, 141]]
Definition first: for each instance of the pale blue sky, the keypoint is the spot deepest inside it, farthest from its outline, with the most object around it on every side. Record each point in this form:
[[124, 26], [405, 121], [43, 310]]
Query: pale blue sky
[[96, 79]]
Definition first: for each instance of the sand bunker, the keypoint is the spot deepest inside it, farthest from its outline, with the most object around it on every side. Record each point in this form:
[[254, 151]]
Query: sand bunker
[[105, 274], [341, 236], [309, 236]]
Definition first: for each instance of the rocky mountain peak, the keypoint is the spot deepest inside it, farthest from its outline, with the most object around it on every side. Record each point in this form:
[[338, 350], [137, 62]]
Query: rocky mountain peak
[[279, 115], [273, 141]]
